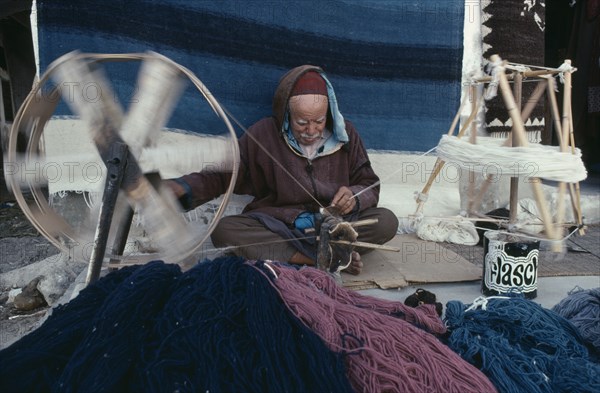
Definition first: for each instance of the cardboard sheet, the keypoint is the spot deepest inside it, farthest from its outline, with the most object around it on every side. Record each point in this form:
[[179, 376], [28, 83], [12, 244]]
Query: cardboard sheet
[[418, 261]]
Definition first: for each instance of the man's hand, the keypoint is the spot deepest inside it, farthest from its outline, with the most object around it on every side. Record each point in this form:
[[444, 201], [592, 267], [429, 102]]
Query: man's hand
[[343, 200], [177, 188]]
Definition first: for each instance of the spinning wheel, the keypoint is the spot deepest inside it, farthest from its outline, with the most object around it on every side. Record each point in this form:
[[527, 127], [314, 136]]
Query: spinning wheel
[[120, 138]]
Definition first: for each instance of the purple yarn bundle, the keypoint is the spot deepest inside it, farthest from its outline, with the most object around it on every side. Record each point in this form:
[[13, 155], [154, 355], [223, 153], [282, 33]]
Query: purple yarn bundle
[[387, 344]]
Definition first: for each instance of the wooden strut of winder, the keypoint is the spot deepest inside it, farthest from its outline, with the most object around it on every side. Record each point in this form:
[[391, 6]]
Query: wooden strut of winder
[[513, 102]]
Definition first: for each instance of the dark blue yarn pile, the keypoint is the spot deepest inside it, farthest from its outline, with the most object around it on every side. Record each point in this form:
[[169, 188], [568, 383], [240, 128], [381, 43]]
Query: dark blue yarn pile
[[220, 327], [582, 308], [522, 347]]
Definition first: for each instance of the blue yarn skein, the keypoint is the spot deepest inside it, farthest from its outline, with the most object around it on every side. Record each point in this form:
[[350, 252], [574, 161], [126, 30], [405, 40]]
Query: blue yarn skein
[[35, 362], [521, 346], [108, 352], [219, 327], [582, 308], [226, 329]]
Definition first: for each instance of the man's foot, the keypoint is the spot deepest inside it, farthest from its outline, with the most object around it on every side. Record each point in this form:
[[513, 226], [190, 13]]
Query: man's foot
[[355, 266]]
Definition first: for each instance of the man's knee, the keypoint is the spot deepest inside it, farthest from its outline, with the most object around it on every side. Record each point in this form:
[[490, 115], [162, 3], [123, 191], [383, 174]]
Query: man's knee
[[382, 232], [388, 223], [222, 234]]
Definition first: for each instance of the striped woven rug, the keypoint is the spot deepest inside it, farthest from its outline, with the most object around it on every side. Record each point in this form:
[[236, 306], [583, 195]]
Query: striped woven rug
[[396, 65]]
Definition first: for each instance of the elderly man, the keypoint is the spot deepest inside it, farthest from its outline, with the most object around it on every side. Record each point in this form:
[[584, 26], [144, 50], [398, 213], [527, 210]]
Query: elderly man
[[303, 157]]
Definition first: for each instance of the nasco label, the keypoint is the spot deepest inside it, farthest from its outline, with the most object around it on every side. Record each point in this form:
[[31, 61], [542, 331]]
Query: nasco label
[[504, 272]]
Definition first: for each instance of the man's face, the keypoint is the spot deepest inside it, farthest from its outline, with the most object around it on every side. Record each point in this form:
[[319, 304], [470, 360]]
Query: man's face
[[308, 115]]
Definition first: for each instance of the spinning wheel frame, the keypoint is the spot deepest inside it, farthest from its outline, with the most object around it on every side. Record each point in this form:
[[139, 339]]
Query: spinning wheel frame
[[31, 120]]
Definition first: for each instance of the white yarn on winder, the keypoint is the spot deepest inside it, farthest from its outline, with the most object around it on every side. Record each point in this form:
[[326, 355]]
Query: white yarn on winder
[[490, 156]]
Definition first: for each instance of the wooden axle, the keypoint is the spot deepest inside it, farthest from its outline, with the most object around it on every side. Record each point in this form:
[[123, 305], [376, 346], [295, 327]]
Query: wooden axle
[[354, 224], [366, 245]]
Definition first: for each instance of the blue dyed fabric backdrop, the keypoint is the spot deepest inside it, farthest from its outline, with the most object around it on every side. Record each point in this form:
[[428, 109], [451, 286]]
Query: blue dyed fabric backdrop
[[395, 64]]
